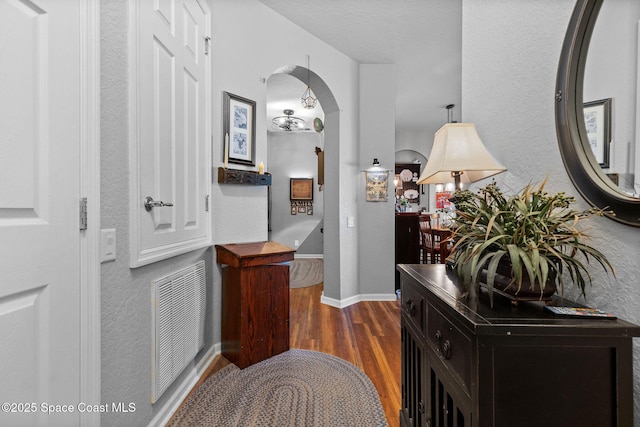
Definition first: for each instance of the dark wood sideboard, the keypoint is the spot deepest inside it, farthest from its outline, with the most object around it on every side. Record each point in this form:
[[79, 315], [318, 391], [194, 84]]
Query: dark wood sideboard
[[407, 240], [467, 364], [255, 300]]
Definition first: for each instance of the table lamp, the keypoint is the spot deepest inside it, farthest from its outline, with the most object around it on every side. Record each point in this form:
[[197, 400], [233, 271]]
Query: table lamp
[[458, 156]]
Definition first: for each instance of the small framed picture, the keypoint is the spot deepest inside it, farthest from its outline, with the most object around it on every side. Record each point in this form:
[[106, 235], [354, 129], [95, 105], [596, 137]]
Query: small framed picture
[[597, 120], [302, 209], [377, 186], [301, 189], [309, 210], [239, 129], [294, 210]]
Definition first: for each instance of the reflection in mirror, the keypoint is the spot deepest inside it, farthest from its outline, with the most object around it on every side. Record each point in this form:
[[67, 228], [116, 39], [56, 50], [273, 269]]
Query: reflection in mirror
[[610, 93], [607, 182]]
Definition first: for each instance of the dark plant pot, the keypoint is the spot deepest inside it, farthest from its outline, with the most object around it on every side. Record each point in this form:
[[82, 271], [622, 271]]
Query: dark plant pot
[[506, 286]]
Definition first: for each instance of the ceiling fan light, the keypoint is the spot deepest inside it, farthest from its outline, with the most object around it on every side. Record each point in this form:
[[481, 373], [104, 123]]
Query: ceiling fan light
[[287, 123]]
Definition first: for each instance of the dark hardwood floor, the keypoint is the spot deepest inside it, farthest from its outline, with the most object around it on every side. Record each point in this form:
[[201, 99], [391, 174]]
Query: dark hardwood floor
[[366, 334]]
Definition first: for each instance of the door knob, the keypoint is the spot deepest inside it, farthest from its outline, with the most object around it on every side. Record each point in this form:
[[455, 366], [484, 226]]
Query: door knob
[[149, 203]]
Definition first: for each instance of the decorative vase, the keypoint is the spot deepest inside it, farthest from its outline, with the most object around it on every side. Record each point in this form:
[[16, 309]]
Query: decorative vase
[[504, 284]]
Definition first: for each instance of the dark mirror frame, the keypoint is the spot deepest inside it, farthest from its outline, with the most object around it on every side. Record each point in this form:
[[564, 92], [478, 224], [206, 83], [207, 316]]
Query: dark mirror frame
[[579, 161]]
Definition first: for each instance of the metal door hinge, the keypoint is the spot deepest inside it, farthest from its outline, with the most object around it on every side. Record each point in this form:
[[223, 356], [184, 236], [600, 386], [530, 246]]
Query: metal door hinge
[[83, 213], [206, 203], [207, 43]]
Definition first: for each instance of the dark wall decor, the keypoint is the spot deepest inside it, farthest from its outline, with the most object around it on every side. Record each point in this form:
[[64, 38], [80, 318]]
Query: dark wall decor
[[239, 129], [301, 189], [585, 173], [407, 175], [236, 176], [301, 207], [301, 195]]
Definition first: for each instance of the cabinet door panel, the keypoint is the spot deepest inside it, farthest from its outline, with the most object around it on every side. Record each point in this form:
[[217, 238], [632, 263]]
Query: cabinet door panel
[[413, 381], [266, 304], [447, 405], [279, 335], [585, 377]]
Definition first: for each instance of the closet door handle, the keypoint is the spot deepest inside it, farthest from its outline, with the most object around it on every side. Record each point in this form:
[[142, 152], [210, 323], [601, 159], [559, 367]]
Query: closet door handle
[[149, 203]]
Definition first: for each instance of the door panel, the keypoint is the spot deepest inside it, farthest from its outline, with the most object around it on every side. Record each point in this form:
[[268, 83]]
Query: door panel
[[24, 121], [191, 109], [160, 159], [40, 119]]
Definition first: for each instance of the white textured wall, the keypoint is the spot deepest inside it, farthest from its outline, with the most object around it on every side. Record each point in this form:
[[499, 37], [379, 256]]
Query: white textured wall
[[510, 60], [126, 293], [244, 33], [420, 141], [292, 155], [376, 219]]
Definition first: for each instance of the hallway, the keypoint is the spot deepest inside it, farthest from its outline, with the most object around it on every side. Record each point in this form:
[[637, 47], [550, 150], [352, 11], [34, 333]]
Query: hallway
[[366, 334]]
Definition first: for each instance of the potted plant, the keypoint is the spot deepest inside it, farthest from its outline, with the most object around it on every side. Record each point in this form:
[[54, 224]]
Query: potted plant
[[403, 204], [522, 244]]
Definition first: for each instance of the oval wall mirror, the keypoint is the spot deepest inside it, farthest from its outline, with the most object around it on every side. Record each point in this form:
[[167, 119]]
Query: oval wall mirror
[[602, 169]]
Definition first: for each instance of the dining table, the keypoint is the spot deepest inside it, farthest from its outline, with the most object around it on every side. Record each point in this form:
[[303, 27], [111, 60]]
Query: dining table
[[441, 237]]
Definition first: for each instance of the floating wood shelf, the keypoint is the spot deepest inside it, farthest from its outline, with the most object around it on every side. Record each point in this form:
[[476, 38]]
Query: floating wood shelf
[[244, 177]]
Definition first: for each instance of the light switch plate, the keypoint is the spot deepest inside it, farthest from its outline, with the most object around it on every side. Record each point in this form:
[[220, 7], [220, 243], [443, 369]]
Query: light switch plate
[[108, 244], [351, 222]]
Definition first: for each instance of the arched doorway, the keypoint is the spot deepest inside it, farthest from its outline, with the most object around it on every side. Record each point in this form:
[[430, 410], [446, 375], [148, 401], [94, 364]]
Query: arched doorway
[[409, 156], [330, 196]]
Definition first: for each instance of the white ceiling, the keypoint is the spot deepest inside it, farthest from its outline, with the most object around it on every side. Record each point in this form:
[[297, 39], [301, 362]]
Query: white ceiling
[[422, 37]]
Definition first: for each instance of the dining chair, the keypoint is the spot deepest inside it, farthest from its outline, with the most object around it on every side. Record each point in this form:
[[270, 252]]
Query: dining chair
[[436, 242], [428, 251]]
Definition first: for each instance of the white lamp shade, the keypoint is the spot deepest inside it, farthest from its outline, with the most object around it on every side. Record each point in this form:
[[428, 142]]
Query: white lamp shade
[[458, 148]]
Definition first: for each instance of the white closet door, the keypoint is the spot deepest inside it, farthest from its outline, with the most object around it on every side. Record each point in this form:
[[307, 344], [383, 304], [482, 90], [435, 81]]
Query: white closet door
[[40, 125], [171, 161]]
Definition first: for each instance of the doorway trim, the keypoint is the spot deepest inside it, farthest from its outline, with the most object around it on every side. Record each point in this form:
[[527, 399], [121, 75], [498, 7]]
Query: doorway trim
[[332, 239], [90, 313]]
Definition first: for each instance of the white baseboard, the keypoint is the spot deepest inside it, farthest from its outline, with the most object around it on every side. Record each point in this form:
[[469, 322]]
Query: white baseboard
[[302, 256], [356, 299], [175, 400]]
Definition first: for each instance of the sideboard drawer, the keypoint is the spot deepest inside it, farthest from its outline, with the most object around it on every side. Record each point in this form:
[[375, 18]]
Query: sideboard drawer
[[452, 346], [413, 305]]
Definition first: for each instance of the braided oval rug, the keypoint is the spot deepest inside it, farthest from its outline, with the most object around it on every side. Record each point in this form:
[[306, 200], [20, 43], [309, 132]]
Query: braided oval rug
[[295, 388], [305, 272]]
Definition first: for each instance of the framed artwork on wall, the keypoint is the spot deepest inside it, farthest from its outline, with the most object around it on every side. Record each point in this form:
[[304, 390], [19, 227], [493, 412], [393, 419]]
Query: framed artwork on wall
[[239, 129], [377, 189], [597, 120], [301, 189], [443, 199]]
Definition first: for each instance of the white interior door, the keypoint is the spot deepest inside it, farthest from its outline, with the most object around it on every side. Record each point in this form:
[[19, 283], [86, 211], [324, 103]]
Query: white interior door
[[171, 159], [39, 193]]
